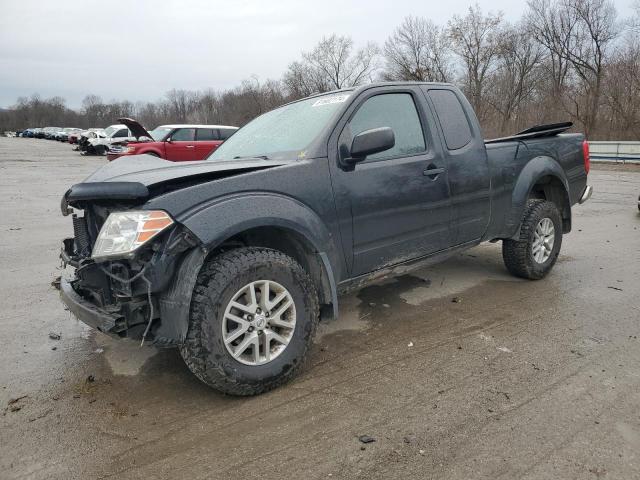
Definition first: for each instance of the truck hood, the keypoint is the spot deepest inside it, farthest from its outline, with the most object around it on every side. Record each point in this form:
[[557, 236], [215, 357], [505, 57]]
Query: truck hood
[[136, 129], [149, 170], [137, 178]]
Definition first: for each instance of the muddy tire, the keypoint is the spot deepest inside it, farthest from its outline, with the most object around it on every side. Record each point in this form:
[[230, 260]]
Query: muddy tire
[[229, 308], [535, 252]]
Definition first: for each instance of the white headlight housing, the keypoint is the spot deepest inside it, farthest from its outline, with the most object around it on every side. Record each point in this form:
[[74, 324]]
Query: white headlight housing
[[124, 232]]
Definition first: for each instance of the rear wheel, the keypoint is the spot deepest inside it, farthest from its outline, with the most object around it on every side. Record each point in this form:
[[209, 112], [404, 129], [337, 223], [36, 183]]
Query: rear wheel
[[535, 252], [254, 312]]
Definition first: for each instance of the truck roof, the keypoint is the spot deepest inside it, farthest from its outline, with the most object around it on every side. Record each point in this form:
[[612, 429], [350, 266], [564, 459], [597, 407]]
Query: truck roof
[[372, 85]]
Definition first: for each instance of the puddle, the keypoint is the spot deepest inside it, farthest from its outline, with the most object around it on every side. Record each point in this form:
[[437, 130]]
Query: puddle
[[124, 357], [351, 318], [386, 297], [456, 275]]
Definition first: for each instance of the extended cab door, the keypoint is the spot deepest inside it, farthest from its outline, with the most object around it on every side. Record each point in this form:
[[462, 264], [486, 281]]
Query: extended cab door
[[207, 140], [181, 145], [469, 178], [396, 201]]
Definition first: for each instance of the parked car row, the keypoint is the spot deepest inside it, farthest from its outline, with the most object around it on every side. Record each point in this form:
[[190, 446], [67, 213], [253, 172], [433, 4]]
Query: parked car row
[[183, 142], [91, 141], [50, 133]]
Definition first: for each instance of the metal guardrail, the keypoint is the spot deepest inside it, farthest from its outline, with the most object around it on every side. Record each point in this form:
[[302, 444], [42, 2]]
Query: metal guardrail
[[618, 152]]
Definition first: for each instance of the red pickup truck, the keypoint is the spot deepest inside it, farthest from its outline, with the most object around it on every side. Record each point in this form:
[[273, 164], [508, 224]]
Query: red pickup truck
[[178, 143]]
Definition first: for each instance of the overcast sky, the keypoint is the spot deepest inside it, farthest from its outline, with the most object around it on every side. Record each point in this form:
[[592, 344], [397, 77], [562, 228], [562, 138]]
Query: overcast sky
[[139, 49]]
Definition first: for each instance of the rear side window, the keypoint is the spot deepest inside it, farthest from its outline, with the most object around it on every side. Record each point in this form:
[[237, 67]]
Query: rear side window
[[204, 134], [394, 110], [184, 135], [226, 133], [456, 128]]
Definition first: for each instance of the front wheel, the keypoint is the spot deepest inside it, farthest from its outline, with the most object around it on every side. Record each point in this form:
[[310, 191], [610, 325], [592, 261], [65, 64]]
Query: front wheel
[[535, 252], [254, 313]]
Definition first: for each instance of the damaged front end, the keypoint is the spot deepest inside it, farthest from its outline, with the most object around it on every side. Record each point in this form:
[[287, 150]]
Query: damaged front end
[[125, 259]]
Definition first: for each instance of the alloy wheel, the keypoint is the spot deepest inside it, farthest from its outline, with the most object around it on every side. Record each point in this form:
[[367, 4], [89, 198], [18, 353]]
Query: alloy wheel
[[259, 322]]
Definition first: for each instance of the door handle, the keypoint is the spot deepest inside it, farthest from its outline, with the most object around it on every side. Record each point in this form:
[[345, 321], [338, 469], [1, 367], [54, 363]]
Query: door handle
[[191, 146], [432, 171]]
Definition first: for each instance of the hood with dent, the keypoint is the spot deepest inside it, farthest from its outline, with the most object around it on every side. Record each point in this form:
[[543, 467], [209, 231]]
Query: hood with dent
[[149, 170], [135, 178]]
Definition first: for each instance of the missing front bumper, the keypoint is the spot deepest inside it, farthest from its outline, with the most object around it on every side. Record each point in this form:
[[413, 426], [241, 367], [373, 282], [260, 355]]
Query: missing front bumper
[[87, 312]]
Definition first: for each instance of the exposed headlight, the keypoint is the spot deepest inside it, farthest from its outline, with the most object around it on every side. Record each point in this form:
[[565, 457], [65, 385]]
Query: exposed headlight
[[124, 232], [129, 149]]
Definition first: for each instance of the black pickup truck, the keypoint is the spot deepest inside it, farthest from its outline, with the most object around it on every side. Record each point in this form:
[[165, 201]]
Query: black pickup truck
[[235, 259]]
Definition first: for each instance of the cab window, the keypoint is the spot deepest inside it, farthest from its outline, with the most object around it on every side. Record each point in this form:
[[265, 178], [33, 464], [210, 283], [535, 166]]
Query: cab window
[[454, 122], [397, 111]]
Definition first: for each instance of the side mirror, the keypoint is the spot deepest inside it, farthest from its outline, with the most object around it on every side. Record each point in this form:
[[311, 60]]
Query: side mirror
[[168, 140], [368, 143]]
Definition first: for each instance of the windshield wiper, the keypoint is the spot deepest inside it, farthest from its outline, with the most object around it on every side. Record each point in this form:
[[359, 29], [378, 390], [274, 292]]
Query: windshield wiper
[[263, 157]]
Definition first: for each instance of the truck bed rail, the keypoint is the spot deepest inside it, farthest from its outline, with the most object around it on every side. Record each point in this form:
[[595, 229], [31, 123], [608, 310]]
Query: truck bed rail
[[537, 131]]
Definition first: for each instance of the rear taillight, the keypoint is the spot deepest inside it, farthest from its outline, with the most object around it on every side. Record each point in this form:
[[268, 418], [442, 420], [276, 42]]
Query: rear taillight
[[585, 155]]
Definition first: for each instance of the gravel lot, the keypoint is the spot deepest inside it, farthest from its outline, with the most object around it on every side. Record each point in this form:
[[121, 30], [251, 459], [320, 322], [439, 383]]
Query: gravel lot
[[515, 379]]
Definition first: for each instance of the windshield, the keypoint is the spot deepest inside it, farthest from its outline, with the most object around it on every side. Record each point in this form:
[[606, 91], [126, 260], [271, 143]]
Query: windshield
[[109, 130], [282, 131], [160, 133]]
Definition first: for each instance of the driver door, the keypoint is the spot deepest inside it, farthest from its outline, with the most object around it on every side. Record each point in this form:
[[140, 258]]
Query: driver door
[[398, 210]]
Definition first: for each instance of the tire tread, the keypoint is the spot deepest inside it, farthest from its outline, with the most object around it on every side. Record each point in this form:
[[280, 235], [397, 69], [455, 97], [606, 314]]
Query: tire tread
[[213, 278], [516, 254]]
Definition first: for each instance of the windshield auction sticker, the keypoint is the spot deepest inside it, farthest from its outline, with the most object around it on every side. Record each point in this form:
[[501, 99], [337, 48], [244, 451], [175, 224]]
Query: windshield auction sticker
[[330, 100]]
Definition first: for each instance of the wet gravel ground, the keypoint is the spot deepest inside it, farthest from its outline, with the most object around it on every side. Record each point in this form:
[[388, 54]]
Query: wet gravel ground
[[513, 379]]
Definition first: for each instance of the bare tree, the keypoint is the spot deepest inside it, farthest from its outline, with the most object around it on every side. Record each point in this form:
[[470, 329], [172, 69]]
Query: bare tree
[[301, 80], [149, 114], [207, 109], [181, 103], [634, 22], [332, 64], [621, 87], [551, 30], [579, 32], [418, 50], [476, 38], [94, 110], [241, 104], [516, 77]]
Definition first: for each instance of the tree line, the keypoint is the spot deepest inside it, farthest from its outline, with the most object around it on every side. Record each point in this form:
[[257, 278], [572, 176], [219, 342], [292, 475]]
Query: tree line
[[571, 60]]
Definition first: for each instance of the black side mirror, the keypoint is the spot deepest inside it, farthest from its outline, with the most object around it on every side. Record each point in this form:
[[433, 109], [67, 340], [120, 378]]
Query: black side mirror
[[367, 143]]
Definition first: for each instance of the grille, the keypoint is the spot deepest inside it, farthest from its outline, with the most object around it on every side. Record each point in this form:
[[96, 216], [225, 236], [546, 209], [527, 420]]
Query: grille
[[81, 236]]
